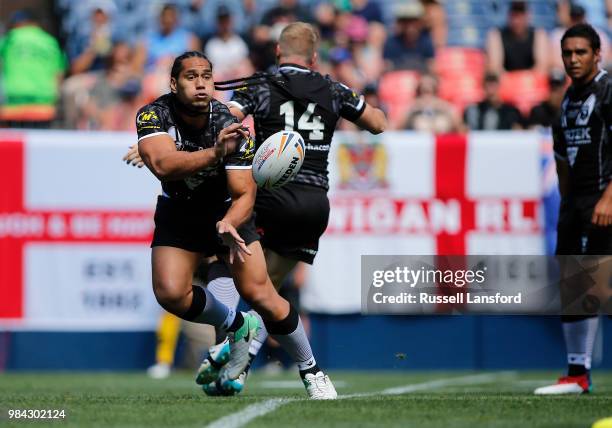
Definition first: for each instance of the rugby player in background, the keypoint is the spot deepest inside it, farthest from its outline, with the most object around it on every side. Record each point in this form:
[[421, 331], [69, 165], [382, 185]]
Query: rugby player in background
[[583, 152]]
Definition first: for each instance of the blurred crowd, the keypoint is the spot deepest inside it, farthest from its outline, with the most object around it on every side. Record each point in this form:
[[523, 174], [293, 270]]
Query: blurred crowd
[[434, 65]]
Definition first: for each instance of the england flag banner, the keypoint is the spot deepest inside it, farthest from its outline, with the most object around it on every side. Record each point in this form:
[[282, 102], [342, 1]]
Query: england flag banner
[[75, 227], [76, 222], [419, 194]]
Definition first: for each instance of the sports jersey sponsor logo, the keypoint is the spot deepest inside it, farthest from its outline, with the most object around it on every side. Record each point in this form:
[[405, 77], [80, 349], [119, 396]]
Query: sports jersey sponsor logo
[[248, 149], [147, 120], [318, 148], [577, 136], [189, 146], [146, 116]]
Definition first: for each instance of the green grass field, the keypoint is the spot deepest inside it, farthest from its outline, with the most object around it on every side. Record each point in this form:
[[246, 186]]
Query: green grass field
[[373, 399]]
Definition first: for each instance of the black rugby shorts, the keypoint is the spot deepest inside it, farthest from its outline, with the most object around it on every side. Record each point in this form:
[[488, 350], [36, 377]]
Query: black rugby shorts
[[576, 234], [291, 220], [192, 227]]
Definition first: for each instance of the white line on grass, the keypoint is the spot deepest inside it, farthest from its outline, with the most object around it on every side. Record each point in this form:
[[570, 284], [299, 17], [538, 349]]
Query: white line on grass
[[256, 410], [292, 384], [439, 383], [249, 413]]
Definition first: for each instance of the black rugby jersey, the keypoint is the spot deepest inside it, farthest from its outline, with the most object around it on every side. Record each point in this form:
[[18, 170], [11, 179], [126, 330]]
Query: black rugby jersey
[[208, 186], [582, 137], [305, 101]]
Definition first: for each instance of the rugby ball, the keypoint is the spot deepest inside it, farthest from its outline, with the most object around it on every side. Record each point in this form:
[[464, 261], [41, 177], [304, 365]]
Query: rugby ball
[[278, 159]]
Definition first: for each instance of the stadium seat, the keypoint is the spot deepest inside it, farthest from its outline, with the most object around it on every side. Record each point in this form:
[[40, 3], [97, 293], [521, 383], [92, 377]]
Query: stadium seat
[[524, 89], [397, 89], [458, 60], [461, 90], [461, 73]]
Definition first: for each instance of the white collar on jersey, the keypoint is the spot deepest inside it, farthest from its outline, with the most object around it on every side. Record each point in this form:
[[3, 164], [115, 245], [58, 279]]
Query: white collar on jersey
[[601, 74], [293, 67]]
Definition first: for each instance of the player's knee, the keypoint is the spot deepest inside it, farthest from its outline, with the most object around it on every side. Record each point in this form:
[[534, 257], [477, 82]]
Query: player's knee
[[256, 293], [169, 295]]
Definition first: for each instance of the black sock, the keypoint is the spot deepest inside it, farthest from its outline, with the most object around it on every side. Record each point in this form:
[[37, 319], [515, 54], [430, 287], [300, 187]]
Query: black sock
[[198, 303], [576, 370], [238, 321], [285, 326], [312, 370]]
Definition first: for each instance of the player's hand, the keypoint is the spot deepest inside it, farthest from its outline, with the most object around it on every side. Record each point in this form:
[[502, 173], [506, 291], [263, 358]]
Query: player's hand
[[602, 214], [233, 240], [132, 157], [229, 139]]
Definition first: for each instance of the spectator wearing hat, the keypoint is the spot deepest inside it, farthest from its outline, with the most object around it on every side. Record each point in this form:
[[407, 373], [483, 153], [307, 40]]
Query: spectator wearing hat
[[577, 15], [412, 47], [548, 112], [31, 67], [518, 45], [226, 49], [492, 113]]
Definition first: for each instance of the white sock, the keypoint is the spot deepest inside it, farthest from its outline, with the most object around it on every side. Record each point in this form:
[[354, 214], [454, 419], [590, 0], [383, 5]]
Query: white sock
[[579, 340], [225, 291], [296, 344], [221, 285], [215, 313]]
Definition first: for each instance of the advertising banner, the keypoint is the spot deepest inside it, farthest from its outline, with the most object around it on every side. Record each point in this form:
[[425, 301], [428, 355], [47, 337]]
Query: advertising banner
[[76, 222]]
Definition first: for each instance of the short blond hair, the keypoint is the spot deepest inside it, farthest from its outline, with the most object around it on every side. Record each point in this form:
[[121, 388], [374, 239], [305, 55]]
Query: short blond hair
[[300, 39]]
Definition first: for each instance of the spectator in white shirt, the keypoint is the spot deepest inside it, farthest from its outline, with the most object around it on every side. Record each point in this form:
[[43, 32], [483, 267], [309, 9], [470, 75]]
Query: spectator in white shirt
[[226, 49]]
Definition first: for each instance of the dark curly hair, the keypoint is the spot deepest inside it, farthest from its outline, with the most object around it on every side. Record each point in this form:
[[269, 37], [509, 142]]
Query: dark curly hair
[[177, 66]]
